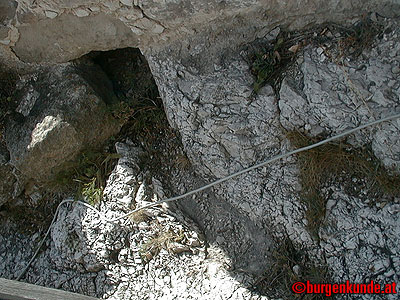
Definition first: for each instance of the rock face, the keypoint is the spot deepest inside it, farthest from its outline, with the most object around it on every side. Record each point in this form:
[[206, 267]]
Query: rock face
[[7, 13], [108, 33], [328, 96], [127, 259], [7, 178], [60, 113], [224, 129], [45, 31], [336, 95], [198, 53]]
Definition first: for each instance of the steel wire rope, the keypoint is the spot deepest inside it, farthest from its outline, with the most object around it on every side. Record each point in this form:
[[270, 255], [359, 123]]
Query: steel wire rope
[[275, 158]]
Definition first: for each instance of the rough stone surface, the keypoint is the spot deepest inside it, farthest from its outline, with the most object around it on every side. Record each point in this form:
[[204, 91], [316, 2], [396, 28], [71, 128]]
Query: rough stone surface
[[206, 87], [116, 261], [106, 32], [44, 31], [332, 96], [224, 129], [7, 11], [60, 113], [359, 237], [361, 242]]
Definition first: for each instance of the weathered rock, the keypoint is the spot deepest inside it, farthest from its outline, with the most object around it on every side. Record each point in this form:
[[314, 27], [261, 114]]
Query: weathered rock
[[126, 259], [45, 31], [105, 32], [331, 96], [7, 11], [224, 128], [122, 183], [3, 32], [7, 178], [61, 111], [206, 87], [4, 155], [359, 235], [360, 240]]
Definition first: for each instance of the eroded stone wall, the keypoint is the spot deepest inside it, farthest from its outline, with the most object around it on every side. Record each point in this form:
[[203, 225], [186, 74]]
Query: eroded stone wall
[[60, 30]]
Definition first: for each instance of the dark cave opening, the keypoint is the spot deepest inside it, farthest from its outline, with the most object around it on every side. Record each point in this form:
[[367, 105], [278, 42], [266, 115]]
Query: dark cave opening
[[128, 72]]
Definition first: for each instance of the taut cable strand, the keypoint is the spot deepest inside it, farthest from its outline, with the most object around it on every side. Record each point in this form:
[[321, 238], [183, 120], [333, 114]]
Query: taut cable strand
[[203, 187]]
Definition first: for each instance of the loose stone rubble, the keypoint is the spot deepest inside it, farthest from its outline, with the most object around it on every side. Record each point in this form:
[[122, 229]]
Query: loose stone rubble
[[225, 127], [152, 255]]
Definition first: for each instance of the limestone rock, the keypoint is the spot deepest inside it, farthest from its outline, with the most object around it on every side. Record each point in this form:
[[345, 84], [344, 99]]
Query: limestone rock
[[355, 235], [208, 99], [330, 97], [206, 86], [104, 31], [60, 113], [225, 128], [3, 32], [46, 29]]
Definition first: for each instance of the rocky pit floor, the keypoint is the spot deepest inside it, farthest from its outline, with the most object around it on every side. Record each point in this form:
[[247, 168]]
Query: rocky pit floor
[[254, 236]]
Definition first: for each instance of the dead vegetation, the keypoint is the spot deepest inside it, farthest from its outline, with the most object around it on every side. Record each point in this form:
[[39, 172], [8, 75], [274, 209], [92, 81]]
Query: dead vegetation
[[182, 161], [339, 163], [164, 238], [270, 62], [139, 217], [288, 266], [356, 39]]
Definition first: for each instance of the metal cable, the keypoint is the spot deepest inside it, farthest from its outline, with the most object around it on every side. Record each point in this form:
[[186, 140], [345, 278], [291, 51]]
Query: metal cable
[[284, 155]]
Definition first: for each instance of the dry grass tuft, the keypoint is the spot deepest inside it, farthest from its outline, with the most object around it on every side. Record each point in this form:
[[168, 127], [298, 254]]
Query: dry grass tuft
[[290, 265], [163, 239], [269, 64], [182, 161], [139, 217], [338, 163], [357, 38]]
